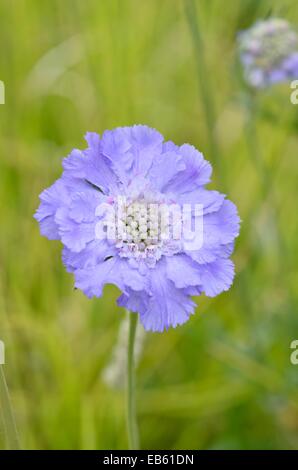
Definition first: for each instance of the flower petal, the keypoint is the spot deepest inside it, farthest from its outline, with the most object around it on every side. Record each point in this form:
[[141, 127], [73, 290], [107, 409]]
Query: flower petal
[[91, 166], [210, 200], [164, 168], [217, 276], [117, 147], [182, 271], [197, 171], [82, 207], [219, 232], [51, 199], [167, 305], [146, 144], [112, 271], [74, 235], [94, 253]]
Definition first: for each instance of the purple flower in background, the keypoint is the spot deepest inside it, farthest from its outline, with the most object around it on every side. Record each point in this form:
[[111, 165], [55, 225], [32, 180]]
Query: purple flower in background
[[269, 52], [157, 273]]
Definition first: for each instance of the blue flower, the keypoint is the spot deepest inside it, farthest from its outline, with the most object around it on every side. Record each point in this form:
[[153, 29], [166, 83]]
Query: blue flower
[[108, 211], [269, 52]]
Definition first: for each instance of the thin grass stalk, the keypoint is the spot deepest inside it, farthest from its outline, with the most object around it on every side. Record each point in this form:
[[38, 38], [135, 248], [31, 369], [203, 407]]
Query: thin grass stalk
[[10, 429]]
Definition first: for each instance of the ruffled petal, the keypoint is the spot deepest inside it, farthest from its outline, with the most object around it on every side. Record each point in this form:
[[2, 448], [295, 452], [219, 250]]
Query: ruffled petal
[[211, 201], [83, 206], [197, 171], [146, 145], [98, 169], [74, 235], [112, 271], [219, 232], [182, 271], [91, 167], [167, 306], [164, 168], [134, 301], [208, 254], [48, 228], [222, 227], [51, 199], [217, 276], [94, 253], [117, 147]]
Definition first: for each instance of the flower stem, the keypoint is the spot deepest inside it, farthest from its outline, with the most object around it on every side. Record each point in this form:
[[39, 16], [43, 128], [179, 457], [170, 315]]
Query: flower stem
[[132, 427], [264, 171], [10, 430], [253, 145], [203, 81]]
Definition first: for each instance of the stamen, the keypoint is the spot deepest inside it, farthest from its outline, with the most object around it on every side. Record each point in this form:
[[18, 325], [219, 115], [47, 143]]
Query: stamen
[[143, 229]]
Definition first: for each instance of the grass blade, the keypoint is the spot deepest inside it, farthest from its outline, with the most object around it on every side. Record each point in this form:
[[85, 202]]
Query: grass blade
[[10, 429]]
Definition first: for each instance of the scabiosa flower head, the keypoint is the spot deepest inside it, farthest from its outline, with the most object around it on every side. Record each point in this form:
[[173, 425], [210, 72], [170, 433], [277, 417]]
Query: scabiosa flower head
[[110, 209], [269, 52]]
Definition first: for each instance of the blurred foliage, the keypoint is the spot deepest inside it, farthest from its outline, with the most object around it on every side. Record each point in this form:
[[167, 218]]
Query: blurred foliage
[[224, 379]]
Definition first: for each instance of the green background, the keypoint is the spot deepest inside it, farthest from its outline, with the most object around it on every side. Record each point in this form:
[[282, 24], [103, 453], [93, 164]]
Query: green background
[[224, 379]]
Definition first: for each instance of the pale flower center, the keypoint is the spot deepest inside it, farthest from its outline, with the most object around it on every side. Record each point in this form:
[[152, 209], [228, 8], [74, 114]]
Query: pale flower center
[[142, 228]]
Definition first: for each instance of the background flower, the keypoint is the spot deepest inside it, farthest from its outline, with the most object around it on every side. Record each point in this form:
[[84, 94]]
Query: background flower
[[269, 52]]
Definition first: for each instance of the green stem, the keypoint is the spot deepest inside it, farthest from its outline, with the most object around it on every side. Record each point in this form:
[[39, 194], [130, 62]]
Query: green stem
[[132, 426], [204, 81], [253, 143], [264, 171], [10, 430]]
